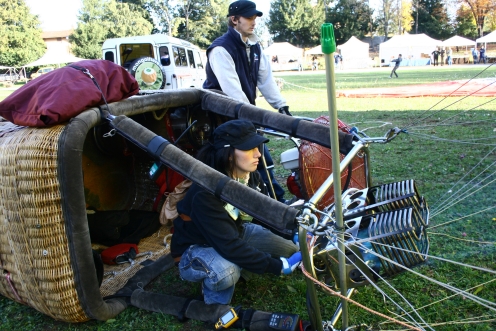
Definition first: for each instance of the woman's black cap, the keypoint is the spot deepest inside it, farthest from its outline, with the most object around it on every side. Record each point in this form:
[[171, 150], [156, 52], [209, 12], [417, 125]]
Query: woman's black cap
[[239, 134], [243, 8]]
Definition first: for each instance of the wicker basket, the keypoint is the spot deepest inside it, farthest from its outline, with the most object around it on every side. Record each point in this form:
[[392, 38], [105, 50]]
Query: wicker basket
[[49, 178]]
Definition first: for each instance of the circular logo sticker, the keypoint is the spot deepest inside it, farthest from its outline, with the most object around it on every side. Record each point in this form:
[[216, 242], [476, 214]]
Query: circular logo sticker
[[149, 73]]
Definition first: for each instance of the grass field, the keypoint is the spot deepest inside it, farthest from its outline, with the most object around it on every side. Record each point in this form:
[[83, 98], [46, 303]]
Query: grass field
[[439, 150]]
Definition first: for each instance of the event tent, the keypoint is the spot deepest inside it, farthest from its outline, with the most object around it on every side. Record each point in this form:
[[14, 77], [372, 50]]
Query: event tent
[[317, 50], [415, 49], [489, 38], [289, 57], [458, 41], [355, 54], [54, 58]]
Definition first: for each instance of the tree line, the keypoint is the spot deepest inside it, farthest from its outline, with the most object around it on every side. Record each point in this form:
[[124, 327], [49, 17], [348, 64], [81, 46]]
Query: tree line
[[201, 21]]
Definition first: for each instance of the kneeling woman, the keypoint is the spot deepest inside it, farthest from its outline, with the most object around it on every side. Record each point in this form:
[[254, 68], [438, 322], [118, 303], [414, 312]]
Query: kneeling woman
[[215, 240]]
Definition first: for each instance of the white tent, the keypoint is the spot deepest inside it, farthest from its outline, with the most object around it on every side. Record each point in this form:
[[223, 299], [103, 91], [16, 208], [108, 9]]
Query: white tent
[[458, 41], [489, 38], [317, 50], [289, 57], [54, 58], [414, 48], [355, 54]]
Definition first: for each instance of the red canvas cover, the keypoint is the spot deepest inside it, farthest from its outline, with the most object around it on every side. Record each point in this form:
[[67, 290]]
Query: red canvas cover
[[60, 95]]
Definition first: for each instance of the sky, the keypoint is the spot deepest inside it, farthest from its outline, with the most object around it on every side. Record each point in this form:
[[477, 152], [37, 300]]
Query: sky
[[58, 15]]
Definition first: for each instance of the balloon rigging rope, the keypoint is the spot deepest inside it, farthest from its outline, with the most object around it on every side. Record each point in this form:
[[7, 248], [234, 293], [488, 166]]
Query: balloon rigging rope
[[440, 201], [460, 218], [421, 118], [483, 302], [468, 194]]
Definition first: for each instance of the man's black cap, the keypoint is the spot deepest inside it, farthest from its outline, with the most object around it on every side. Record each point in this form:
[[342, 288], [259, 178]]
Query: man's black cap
[[243, 8], [239, 134]]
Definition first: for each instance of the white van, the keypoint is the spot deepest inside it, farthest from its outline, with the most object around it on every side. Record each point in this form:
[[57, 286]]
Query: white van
[[157, 61]]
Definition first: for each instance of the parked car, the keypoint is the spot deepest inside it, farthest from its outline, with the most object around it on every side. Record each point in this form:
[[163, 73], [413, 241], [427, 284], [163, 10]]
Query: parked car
[[157, 61], [41, 71]]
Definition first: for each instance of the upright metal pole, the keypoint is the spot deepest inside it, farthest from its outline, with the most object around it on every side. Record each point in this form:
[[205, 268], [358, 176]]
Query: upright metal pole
[[328, 44]]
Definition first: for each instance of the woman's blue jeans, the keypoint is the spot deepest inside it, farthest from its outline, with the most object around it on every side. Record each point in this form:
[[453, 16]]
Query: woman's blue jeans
[[219, 276]]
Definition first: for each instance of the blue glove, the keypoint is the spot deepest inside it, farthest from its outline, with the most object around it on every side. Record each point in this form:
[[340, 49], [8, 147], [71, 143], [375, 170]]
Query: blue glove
[[296, 240], [290, 264]]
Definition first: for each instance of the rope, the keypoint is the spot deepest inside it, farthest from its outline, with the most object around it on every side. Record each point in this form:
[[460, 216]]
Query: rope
[[461, 239], [420, 119], [327, 289], [472, 297], [372, 282], [451, 296], [432, 257], [466, 174], [460, 218], [466, 196], [301, 87], [452, 140]]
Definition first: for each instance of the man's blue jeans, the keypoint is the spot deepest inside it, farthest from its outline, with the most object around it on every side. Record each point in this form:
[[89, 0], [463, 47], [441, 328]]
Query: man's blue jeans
[[219, 276]]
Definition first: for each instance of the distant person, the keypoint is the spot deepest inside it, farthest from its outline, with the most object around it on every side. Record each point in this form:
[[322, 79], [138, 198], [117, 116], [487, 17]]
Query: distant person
[[340, 57], [475, 55], [441, 54], [435, 56], [315, 63], [482, 54], [449, 53], [397, 62]]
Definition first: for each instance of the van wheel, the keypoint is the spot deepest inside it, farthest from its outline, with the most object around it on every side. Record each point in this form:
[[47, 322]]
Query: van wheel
[[148, 72]]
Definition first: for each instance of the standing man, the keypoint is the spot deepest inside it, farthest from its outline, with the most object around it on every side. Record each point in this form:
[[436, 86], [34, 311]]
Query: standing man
[[396, 65], [435, 55], [441, 53], [482, 55], [474, 54], [237, 66]]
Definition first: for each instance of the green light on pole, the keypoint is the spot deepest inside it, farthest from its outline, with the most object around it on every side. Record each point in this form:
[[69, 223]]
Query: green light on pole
[[327, 41]]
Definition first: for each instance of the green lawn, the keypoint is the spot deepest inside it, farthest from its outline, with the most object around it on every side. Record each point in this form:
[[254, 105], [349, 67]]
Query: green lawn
[[439, 151]]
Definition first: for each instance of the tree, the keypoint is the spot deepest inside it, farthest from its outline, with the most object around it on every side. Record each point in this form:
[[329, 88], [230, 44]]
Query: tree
[[406, 18], [401, 19], [465, 23], [296, 21], [99, 20], [432, 19], [165, 19], [386, 16], [202, 21], [480, 9], [20, 35], [350, 18], [491, 20], [126, 20]]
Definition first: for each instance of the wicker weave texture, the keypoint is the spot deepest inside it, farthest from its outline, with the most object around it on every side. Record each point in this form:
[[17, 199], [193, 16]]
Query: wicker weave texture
[[150, 248], [34, 255]]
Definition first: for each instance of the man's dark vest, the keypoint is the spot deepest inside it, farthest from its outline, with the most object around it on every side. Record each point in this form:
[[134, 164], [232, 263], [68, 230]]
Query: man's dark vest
[[247, 73]]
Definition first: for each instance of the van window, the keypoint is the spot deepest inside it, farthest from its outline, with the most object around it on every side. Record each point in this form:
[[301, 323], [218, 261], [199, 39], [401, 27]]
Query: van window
[[180, 56], [130, 52], [164, 56], [191, 59], [109, 56], [198, 60]]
